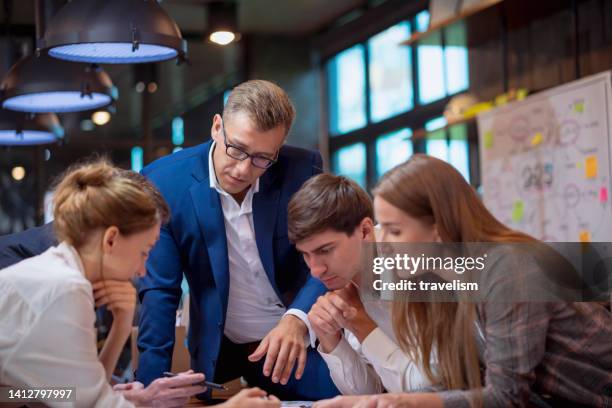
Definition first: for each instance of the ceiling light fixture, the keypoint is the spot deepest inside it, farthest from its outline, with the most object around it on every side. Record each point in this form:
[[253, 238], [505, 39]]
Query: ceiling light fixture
[[101, 118], [222, 22], [18, 129], [45, 84], [113, 32]]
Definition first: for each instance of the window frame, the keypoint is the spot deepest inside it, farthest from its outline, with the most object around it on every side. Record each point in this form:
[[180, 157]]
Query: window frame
[[413, 119]]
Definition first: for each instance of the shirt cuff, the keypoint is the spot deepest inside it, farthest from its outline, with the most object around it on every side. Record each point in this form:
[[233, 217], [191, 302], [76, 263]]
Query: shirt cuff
[[377, 347], [310, 338], [339, 356], [455, 398]]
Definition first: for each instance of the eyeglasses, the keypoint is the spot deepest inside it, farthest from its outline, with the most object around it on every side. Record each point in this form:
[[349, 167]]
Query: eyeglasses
[[237, 153]]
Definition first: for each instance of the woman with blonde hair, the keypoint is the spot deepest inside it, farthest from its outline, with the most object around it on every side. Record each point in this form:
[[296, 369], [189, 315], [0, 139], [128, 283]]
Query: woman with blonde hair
[[494, 352], [106, 220]]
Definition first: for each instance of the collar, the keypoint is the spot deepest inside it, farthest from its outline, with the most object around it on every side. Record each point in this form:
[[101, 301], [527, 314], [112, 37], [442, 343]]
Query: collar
[[71, 256]]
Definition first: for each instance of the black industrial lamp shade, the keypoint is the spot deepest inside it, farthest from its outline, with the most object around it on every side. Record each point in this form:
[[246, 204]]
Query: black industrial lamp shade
[[113, 32], [45, 84], [19, 129]]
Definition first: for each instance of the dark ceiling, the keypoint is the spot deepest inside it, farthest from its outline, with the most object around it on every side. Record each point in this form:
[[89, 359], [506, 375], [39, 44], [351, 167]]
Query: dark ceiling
[[212, 69]]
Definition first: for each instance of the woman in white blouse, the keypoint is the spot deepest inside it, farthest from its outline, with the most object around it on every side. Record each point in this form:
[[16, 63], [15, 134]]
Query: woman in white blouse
[[106, 220]]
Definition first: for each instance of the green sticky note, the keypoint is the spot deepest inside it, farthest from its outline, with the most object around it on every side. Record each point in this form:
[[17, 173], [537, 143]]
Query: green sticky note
[[579, 107], [517, 211], [488, 139]]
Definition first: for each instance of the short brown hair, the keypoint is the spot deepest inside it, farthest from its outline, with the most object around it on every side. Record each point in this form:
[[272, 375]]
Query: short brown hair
[[327, 202], [266, 104], [96, 194]]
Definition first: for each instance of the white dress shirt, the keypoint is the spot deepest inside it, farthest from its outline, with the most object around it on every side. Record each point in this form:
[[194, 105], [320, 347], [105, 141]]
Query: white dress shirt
[[378, 363], [253, 307], [47, 335]]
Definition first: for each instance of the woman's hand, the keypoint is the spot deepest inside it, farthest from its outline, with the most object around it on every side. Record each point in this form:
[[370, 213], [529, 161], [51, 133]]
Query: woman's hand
[[119, 297], [252, 398], [164, 392], [395, 400]]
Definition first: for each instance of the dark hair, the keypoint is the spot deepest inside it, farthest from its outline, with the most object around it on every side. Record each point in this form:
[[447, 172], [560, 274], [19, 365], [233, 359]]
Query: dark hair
[[327, 202]]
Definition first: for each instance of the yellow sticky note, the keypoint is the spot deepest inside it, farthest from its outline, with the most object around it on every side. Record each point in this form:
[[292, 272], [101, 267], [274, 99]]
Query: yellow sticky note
[[537, 139], [488, 139], [579, 107], [585, 236], [590, 167], [501, 100], [521, 94], [518, 210]]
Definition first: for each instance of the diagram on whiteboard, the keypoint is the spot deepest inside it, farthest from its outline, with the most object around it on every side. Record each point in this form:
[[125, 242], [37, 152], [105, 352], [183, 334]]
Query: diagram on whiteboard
[[545, 162]]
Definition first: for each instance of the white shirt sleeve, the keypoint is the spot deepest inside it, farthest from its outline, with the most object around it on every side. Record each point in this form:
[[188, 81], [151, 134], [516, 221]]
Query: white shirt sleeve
[[398, 372], [350, 371], [60, 351], [311, 337]]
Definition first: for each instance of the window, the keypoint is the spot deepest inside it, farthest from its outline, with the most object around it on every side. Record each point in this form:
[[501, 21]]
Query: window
[[448, 144], [390, 73], [443, 60], [375, 85], [456, 59], [458, 150], [392, 149], [431, 68], [350, 161], [346, 81]]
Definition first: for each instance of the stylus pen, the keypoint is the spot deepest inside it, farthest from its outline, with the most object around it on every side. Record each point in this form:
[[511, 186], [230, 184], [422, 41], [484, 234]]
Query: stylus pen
[[203, 383]]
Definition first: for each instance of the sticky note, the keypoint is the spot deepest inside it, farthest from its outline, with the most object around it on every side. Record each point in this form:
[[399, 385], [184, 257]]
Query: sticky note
[[488, 139], [585, 236], [521, 94], [590, 167], [579, 107], [517, 211], [537, 139], [501, 100], [603, 194]]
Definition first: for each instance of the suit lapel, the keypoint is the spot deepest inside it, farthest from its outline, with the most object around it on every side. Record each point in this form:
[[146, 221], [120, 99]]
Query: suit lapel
[[209, 214], [265, 209]]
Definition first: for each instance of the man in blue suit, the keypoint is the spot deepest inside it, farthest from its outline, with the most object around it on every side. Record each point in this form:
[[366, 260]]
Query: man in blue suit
[[249, 288]]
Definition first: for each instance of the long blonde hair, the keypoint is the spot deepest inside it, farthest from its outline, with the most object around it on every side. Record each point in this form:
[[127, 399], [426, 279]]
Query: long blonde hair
[[96, 194], [434, 192]]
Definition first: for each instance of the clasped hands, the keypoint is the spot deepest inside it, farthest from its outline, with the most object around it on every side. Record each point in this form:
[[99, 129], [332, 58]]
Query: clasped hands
[[338, 310]]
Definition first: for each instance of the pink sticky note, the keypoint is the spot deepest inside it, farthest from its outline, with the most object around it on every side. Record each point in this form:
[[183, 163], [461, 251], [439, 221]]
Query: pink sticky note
[[603, 194]]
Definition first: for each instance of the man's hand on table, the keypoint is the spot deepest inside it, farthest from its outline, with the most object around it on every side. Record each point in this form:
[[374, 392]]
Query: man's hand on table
[[283, 347]]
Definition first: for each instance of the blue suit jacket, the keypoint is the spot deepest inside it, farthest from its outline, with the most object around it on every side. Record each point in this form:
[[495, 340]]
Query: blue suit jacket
[[22, 245], [194, 243]]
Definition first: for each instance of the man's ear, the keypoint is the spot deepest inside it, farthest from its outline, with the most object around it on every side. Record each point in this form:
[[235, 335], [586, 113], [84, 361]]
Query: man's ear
[[109, 239], [215, 130], [366, 227]]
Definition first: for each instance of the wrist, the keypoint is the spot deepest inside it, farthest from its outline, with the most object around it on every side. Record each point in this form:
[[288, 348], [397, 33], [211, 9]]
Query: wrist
[[293, 319], [362, 327], [329, 343], [137, 397], [122, 323]]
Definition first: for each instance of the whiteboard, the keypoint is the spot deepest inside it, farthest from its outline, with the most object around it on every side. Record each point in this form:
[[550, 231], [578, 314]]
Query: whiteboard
[[545, 162]]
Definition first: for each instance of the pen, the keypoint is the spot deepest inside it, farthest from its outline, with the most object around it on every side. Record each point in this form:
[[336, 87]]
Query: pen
[[203, 383]]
